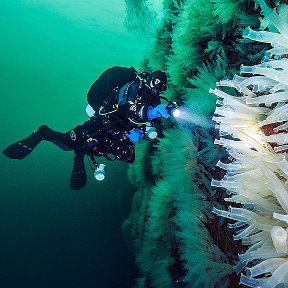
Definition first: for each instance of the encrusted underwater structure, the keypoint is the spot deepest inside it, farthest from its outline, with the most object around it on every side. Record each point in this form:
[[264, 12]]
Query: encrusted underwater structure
[[212, 201]]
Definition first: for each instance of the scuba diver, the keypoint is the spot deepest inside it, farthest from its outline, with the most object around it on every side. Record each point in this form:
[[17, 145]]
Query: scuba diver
[[127, 113]]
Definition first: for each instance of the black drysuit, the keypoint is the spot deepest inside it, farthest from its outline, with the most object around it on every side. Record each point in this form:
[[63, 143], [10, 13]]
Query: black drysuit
[[100, 136]]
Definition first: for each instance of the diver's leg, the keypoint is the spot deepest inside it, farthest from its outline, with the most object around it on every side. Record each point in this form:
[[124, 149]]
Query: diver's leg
[[24, 147], [70, 140], [57, 138], [65, 141], [78, 177]]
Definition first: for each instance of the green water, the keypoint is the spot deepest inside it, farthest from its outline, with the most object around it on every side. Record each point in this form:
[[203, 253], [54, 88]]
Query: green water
[[52, 237]]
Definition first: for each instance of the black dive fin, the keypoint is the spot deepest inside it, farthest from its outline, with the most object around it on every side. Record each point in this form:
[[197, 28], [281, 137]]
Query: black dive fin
[[23, 148], [78, 177]]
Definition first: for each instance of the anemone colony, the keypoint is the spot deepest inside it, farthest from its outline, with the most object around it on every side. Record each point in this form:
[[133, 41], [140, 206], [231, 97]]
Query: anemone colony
[[212, 201]]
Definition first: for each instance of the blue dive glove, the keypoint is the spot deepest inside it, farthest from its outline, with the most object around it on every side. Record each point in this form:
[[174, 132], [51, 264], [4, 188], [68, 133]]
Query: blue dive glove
[[157, 112], [135, 134]]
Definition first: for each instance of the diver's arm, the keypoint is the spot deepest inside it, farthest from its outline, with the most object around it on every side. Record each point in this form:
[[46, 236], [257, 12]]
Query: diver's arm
[[136, 112], [127, 103], [144, 112]]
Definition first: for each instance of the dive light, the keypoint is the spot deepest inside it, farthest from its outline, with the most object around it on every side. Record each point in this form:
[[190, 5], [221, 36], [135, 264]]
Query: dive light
[[99, 173], [151, 131], [173, 109]]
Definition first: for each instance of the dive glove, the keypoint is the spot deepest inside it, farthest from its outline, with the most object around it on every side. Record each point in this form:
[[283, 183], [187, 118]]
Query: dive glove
[[157, 112], [135, 134]]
